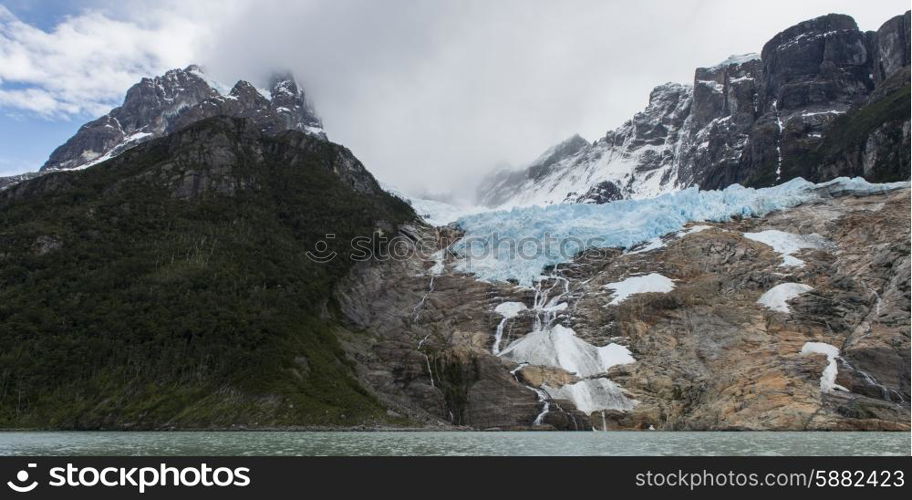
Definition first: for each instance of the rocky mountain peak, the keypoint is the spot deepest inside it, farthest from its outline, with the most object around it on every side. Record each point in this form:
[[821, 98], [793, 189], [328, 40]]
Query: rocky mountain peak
[[819, 27], [753, 120], [566, 148], [160, 105], [891, 47], [290, 103], [282, 83], [821, 61], [246, 92]]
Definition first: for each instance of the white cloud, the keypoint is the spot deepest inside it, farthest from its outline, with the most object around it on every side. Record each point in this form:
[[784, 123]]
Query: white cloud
[[87, 61], [431, 95]]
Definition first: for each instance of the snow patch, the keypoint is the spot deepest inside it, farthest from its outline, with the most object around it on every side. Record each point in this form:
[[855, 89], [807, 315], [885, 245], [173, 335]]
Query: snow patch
[[828, 377], [738, 59], [807, 114], [787, 244], [510, 309], [559, 347], [659, 242], [649, 283], [777, 298], [437, 269], [220, 88], [650, 245], [593, 395]]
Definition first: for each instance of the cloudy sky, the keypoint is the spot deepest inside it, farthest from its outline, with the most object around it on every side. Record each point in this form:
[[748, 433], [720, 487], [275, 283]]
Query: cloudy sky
[[431, 95]]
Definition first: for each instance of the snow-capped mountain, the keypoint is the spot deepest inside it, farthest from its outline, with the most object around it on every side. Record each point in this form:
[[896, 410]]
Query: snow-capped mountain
[[434, 212], [753, 119], [155, 107]]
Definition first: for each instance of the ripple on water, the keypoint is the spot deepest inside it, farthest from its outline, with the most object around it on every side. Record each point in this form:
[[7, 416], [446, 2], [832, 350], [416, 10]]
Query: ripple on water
[[454, 443]]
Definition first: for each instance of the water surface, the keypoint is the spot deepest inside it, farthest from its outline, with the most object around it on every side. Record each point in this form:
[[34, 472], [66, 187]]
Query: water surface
[[455, 443]]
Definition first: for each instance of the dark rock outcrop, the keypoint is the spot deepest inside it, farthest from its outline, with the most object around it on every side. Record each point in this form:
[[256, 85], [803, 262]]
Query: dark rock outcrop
[[183, 266], [158, 106], [890, 45], [6, 182], [821, 91], [707, 355]]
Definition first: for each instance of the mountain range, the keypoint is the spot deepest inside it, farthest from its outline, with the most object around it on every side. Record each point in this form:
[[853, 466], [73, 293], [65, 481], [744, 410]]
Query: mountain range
[[194, 259], [821, 100]]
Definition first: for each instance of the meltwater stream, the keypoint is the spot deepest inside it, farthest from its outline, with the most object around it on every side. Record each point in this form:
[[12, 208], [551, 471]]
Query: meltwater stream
[[453, 443], [551, 344]]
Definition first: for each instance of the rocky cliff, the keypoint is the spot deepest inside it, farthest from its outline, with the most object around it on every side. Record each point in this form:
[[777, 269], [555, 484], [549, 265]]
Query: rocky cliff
[[204, 271], [158, 106], [755, 119], [795, 321], [171, 286]]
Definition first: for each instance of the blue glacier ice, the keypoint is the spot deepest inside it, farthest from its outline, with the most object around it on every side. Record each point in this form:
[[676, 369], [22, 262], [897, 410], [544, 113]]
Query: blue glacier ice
[[520, 243]]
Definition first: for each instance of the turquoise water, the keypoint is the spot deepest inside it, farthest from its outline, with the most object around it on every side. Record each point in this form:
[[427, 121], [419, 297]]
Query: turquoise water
[[455, 443]]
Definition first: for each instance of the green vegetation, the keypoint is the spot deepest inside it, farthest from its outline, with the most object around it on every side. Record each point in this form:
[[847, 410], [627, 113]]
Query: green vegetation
[[124, 305]]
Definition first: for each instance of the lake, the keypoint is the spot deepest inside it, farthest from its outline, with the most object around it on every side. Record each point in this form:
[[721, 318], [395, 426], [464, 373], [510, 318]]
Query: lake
[[454, 443]]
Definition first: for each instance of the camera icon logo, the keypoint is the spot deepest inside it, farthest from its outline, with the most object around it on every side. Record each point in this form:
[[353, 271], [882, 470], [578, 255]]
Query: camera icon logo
[[19, 485], [322, 254]]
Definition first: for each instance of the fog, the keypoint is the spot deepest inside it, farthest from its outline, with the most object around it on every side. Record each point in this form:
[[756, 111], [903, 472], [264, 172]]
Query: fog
[[432, 95]]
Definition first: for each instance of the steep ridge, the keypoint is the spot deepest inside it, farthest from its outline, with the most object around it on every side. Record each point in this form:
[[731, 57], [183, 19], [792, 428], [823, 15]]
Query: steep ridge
[[158, 106], [796, 320], [172, 285], [755, 120]]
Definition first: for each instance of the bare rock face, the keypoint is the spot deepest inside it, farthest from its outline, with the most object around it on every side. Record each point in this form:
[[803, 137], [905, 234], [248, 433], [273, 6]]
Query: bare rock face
[[6, 182], [821, 61], [891, 47], [219, 155], [708, 355], [501, 186], [158, 106], [822, 100], [424, 343]]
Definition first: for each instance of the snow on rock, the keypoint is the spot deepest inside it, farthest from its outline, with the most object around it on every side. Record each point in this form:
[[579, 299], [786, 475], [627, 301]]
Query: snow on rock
[[695, 229], [658, 242], [555, 234], [507, 310], [439, 265], [559, 347], [593, 395], [510, 309], [787, 244], [777, 298], [738, 59], [613, 355], [649, 283], [435, 213], [653, 244], [828, 377]]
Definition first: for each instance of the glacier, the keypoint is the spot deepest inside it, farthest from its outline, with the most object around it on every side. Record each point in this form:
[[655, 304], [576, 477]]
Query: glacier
[[520, 243]]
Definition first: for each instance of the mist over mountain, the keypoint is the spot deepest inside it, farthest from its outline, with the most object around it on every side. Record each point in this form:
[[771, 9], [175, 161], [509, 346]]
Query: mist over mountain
[[734, 257], [792, 110]]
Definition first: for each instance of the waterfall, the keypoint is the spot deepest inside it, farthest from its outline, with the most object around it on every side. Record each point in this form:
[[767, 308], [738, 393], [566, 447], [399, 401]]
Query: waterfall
[[507, 310], [542, 398], [775, 107], [435, 270]]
